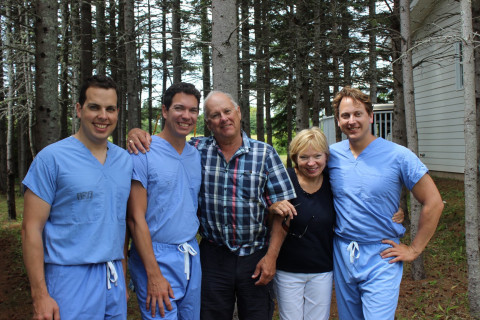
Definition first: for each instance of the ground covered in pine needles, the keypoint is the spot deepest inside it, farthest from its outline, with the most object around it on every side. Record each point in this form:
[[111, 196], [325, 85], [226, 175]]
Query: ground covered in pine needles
[[442, 295]]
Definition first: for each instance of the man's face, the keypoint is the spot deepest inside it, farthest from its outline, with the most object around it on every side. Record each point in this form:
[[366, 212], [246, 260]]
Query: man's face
[[181, 117], [223, 118], [98, 115], [354, 119]]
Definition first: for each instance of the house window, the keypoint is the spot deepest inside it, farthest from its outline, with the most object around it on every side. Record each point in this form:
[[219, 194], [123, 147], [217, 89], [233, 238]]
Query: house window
[[459, 65]]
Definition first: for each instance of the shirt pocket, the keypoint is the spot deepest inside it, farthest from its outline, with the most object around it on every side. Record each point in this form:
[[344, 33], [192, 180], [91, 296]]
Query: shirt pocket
[[87, 200], [251, 184]]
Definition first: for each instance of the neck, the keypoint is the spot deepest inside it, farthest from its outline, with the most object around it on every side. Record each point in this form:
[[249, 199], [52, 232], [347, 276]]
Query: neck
[[358, 146], [309, 184], [98, 150], [177, 142], [229, 147]]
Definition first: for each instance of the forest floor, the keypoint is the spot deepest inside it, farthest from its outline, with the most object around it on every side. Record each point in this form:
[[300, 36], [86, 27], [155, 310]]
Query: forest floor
[[442, 295]]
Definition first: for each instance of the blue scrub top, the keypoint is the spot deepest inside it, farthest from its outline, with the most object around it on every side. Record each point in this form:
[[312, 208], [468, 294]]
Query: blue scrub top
[[172, 182], [88, 201], [367, 189]]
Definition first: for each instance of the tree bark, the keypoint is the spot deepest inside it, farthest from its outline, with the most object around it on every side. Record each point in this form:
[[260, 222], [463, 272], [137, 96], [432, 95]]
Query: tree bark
[[133, 100], [101, 47], [64, 53], [176, 42], [245, 63], [206, 41], [418, 269], [301, 67], [86, 49], [471, 161], [46, 76], [260, 73], [372, 51], [12, 215], [224, 43]]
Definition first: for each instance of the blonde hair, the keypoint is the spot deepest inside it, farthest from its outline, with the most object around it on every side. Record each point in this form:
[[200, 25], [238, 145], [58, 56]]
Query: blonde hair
[[313, 137]]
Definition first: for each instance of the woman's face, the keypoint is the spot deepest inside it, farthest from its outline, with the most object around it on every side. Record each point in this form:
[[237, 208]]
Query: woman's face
[[311, 162]]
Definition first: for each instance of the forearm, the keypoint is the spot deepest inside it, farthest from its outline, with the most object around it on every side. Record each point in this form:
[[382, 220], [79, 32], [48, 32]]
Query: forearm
[[143, 244], [277, 236], [33, 257], [429, 217]]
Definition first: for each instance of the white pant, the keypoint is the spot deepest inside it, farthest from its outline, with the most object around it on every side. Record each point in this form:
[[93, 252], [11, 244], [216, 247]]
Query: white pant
[[303, 296]]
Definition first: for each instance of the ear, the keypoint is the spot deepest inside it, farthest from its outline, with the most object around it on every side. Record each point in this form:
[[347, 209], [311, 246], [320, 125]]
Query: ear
[[78, 108], [371, 117], [164, 111]]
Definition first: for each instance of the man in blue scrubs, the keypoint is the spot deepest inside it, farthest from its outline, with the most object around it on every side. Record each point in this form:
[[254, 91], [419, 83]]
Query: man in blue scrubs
[[162, 214], [73, 231], [367, 174]]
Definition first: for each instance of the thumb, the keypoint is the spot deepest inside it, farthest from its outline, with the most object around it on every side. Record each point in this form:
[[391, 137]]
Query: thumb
[[256, 273]]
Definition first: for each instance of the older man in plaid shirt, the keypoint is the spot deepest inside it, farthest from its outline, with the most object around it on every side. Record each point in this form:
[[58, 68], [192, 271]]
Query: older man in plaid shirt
[[241, 178]]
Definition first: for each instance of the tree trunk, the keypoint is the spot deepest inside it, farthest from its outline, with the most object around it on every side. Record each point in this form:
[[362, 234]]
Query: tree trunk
[[150, 69], [113, 49], [266, 55], [46, 76], [3, 123], [75, 65], [176, 42], [301, 67], [399, 126], [245, 63], [224, 43], [12, 215], [206, 37], [260, 73], [101, 48], [471, 162], [122, 76], [372, 51], [164, 55], [418, 269], [86, 49], [64, 52], [133, 101]]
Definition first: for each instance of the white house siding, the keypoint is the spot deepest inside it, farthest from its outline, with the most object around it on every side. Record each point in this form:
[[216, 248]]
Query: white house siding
[[438, 102]]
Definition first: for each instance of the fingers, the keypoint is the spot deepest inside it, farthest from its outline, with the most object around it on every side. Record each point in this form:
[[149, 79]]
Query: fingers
[[131, 147], [138, 140], [284, 208]]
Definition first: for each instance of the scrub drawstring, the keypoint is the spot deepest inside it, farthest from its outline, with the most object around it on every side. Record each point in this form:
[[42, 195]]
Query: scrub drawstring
[[187, 249], [112, 275], [351, 249]]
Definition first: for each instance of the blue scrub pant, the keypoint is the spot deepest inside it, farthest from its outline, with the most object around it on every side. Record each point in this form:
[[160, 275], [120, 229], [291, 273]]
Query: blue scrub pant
[[366, 286], [82, 293], [171, 261], [227, 278]]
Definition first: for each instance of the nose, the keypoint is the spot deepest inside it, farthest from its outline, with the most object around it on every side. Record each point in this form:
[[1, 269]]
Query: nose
[[102, 114], [351, 119], [310, 161]]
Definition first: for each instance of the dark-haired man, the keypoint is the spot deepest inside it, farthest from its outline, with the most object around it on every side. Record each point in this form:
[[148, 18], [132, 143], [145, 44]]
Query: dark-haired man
[[241, 177], [162, 214], [73, 231], [367, 174]]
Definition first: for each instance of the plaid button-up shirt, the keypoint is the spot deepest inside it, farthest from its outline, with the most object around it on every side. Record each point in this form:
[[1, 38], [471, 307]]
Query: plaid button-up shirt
[[234, 195]]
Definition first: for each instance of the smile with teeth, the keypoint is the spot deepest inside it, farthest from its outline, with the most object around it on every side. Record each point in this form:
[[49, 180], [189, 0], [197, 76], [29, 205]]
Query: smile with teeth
[[185, 125], [100, 126]]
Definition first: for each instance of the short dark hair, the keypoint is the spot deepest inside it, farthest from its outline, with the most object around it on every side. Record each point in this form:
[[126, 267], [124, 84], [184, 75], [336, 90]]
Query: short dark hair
[[180, 87], [356, 95], [97, 81]]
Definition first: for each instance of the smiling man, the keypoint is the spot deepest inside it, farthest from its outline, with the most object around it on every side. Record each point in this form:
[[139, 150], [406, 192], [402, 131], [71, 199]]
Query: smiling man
[[162, 214], [367, 175], [241, 177], [73, 230]]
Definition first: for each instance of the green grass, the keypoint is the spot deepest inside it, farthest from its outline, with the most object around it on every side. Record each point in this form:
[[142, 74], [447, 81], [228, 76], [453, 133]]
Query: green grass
[[442, 295]]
